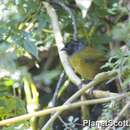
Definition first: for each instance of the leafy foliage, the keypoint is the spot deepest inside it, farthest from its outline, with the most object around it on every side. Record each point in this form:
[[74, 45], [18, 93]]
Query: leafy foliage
[[10, 106], [29, 65]]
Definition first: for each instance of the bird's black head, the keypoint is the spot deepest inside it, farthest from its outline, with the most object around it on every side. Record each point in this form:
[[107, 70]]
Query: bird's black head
[[74, 46]]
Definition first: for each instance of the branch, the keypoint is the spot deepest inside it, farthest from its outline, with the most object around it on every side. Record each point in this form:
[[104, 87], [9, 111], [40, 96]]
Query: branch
[[100, 93], [53, 101], [65, 63], [61, 108], [54, 98], [60, 45], [104, 76]]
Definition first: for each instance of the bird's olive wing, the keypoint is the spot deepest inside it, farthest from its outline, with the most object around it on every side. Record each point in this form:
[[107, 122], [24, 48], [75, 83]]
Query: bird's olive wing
[[90, 60]]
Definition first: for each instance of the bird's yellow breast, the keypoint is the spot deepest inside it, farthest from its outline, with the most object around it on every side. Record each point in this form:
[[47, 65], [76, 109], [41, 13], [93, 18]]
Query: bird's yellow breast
[[87, 62]]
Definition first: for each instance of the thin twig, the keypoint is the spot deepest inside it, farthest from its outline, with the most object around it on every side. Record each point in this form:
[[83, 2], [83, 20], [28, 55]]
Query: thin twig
[[53, 101], [66, 8], [119, 115]]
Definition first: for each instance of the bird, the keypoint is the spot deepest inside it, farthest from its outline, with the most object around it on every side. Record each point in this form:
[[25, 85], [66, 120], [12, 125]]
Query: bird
[[84, 59]]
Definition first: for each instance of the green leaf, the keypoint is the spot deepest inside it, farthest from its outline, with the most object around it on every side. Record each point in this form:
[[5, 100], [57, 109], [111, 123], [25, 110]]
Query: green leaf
[[11, 106], [29, 45], [48, 76], [121, 32]]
